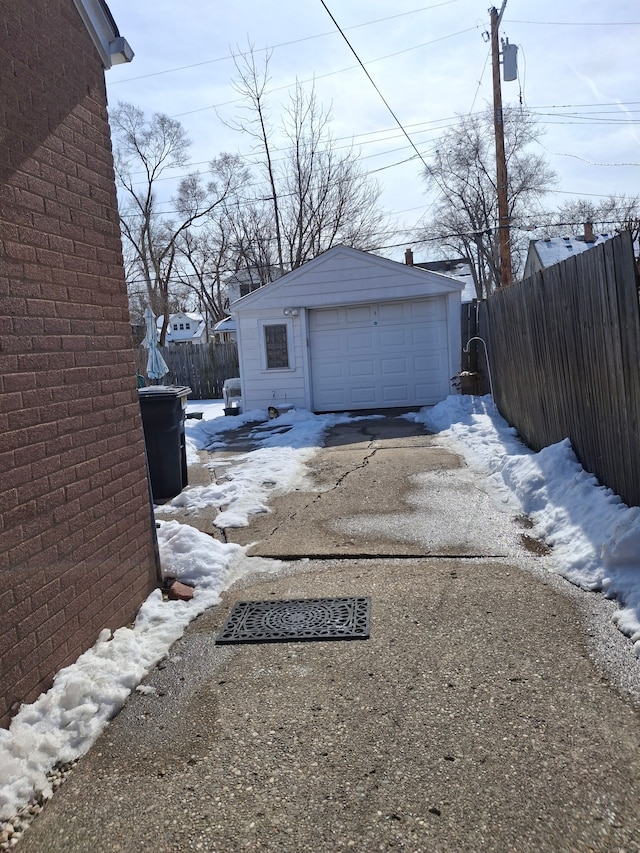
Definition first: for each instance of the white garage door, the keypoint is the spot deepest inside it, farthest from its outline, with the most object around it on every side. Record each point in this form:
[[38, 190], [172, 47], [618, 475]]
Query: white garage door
[[379, 355]]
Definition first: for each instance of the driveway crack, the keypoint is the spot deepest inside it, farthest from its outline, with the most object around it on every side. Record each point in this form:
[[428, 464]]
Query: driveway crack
[[318, 496]]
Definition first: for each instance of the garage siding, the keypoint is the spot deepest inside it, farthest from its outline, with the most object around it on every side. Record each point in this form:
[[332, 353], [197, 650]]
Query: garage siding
[[379, 354], [261, 387]]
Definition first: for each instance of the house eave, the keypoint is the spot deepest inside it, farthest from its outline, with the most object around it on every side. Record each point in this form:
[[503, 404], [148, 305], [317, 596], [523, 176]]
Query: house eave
[[111, 46]]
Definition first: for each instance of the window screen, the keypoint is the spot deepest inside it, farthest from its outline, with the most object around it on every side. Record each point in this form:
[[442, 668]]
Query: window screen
[[275, 338]]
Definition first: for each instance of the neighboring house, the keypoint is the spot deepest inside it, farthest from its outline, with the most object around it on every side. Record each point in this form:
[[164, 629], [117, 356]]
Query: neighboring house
[[349, 330], [245, 281], [78, 551], [458, 268], [544, 253], [225, 330], [185, 328]]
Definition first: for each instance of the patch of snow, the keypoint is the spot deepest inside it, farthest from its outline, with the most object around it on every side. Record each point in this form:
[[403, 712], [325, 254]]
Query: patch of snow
[[594, 535]]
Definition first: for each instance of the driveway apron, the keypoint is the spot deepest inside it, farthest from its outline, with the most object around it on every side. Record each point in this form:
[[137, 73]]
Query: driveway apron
[[473, 718]]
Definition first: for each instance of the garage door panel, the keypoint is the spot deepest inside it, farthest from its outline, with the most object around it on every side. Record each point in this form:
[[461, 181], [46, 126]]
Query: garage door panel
[[324, 318], [395, 366], [365, 396], [430, 334], [358, 369], [330, 343], [335, 399], [426, 390], [392, 312], [356, 314], [358, 340], [428, 366], [377, 355], [428, 309], [397, 395], [334, 370], [393, 338]]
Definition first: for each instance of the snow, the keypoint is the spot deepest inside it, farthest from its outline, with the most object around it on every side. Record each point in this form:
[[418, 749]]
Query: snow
[[276, 467], [595, 536], [556, 249], [595, 539]]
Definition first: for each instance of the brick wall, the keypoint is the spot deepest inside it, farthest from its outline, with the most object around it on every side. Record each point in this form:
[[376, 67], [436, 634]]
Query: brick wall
[[76, 545]]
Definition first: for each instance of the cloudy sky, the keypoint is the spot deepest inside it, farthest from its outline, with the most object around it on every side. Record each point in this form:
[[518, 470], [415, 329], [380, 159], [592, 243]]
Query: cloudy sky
[[579, 68]]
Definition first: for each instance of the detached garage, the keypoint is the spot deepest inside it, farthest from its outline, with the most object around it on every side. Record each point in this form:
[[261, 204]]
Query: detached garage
[[348, 331]]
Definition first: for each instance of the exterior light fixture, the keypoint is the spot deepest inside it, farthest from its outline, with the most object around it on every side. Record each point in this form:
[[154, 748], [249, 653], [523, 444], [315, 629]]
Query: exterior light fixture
[[290, 312]]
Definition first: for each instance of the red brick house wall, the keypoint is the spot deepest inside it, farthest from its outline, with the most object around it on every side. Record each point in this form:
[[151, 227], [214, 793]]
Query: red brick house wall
[[77, 550]]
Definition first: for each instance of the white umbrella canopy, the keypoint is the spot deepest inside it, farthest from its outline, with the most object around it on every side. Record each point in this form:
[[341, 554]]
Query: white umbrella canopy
[[156, 365]]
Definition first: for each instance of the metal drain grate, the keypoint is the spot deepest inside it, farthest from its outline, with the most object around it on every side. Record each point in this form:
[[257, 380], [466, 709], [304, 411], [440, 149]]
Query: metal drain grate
[[297, 619]]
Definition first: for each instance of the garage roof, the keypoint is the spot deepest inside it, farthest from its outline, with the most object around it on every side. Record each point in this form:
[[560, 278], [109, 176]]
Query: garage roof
[[343, 275]]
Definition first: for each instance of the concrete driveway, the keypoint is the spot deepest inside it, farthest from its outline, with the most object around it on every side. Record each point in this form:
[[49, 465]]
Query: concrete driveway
[[474, 718]]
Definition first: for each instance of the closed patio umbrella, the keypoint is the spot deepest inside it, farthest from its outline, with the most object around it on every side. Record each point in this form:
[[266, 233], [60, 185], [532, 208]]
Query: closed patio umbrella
[[156, 365]]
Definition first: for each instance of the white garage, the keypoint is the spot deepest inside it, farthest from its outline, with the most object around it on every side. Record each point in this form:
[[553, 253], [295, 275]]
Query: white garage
[[349, 331]]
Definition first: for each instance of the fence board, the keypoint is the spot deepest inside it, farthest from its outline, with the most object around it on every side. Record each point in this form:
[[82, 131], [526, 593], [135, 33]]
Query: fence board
[[203, 367], [565, 358]]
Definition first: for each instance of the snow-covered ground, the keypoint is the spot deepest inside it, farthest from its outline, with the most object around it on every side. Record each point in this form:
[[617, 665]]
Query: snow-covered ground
[[595, 540]]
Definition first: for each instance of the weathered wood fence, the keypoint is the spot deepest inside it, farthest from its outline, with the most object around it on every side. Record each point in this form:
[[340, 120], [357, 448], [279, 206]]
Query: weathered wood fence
[[564, 350], [203, 367], [474, 356]]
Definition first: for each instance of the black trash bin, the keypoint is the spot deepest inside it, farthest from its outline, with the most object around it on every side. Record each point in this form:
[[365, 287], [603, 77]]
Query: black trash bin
[[162, 408]]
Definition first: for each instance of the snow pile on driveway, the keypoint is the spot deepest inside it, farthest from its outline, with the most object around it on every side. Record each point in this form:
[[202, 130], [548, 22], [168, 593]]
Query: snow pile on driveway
[[594, 535]]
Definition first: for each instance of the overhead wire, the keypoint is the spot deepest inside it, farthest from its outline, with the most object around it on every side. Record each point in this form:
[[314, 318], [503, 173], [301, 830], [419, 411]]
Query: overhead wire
[[576, 118], [285, 43], [330, 73]]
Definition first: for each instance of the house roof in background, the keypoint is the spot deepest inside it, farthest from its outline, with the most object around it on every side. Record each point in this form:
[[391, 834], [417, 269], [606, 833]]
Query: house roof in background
[[227, 324], [457, 268], [556, 249], [197, 319]]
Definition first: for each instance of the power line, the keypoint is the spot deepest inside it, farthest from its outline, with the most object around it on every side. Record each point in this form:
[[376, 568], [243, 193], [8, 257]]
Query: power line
[[382, 98], [283, 44], [576, 23], [331, 73]]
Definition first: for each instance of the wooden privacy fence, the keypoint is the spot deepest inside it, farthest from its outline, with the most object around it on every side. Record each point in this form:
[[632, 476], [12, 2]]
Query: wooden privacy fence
[[473, 360], [564, 349], [203, 367]]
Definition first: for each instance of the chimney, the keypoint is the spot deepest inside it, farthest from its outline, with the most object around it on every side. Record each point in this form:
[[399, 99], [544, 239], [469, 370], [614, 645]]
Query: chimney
[[588, 232], [408, 257]]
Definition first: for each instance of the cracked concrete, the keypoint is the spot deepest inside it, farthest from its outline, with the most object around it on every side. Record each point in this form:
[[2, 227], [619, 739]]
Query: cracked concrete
[[356, 507], [482, 714]]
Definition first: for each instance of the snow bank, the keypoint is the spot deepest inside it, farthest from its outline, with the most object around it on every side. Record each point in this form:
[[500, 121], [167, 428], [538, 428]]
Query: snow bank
[[62, 723], [595, 536]]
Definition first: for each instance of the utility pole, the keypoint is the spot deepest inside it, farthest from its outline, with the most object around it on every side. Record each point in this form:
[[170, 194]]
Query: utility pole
[[501, 162]]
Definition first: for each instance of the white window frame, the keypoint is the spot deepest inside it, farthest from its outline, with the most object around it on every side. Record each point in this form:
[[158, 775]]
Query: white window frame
[[276, 321]]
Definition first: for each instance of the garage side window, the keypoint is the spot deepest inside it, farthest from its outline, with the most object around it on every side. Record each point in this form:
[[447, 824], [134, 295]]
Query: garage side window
[[276, 347]]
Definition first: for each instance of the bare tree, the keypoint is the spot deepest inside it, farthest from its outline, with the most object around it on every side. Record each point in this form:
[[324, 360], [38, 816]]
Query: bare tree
[[144, 150], [318, 196], [462, 175], [327, 198], [251, 84]]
